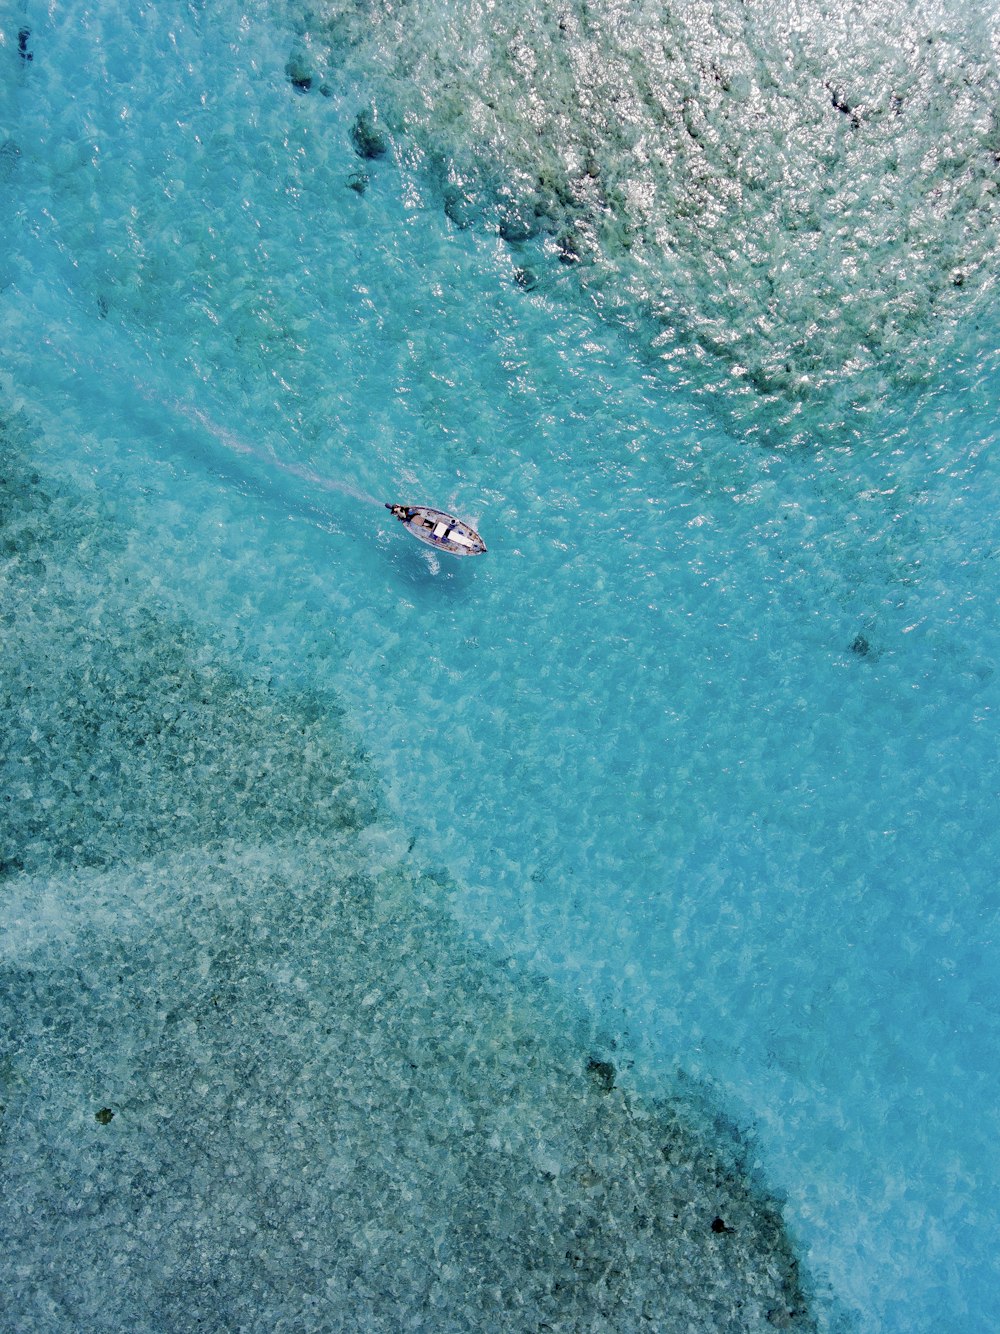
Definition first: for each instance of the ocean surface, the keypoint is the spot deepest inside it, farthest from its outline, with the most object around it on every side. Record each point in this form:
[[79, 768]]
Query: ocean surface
[[598, 934]]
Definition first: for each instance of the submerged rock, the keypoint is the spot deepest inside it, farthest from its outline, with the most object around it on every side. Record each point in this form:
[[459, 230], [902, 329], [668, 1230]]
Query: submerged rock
[[518, 225], [368, 139], [300, 71], [743, 203], [602, 1073], [457, 207]]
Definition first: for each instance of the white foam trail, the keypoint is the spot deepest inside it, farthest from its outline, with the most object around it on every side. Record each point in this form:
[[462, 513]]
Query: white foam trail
[[236, 444], [327, 483], [239, 446]]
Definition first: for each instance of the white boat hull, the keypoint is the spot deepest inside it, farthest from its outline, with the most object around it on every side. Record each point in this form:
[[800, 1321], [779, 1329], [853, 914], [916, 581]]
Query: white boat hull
[[439, 530]]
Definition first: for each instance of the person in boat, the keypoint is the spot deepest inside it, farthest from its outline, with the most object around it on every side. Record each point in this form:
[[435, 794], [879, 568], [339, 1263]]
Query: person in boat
[[407, 513], [439, 529]]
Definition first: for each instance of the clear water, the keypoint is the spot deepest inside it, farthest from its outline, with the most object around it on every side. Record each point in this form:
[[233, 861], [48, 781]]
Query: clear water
[[707, 740]]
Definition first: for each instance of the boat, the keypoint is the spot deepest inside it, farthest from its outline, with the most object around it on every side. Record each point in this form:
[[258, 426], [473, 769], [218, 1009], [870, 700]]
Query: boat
[[439, 530]]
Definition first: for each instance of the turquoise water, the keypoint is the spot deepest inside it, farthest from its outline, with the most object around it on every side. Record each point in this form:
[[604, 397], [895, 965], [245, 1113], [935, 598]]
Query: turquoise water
[[706, 741]]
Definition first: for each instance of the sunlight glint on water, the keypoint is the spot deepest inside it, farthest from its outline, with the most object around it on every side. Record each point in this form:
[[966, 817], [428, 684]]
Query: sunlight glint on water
[[709, 734]]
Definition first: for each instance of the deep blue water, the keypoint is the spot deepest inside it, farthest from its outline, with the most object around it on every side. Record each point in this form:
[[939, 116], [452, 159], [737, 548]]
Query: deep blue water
[[708, 738]]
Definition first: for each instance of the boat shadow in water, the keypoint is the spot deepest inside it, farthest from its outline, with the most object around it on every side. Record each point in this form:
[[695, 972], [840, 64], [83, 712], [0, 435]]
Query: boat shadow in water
[[417, 570]]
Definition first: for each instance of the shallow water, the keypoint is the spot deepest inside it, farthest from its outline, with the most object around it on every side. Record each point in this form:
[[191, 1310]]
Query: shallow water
[[254, 1077], [793, 206], [707, 738]]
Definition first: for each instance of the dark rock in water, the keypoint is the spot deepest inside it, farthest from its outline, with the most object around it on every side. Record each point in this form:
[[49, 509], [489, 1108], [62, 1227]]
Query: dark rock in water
[[299, 71], [568, 253], [105, 1115], [838, 99], [358, 182], [781, 1318], [518, 225], [456, 206], [526, 278], [602, 1073], [23, 38], [860, 646], [368, 140], [718, 1225]]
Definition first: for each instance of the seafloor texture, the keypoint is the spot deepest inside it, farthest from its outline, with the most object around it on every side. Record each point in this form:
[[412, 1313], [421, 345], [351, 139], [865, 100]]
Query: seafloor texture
[[252, 1076], [789, 203], [708, 738]]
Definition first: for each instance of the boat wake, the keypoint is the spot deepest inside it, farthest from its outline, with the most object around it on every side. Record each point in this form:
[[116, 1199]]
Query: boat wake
[[231, 441]]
